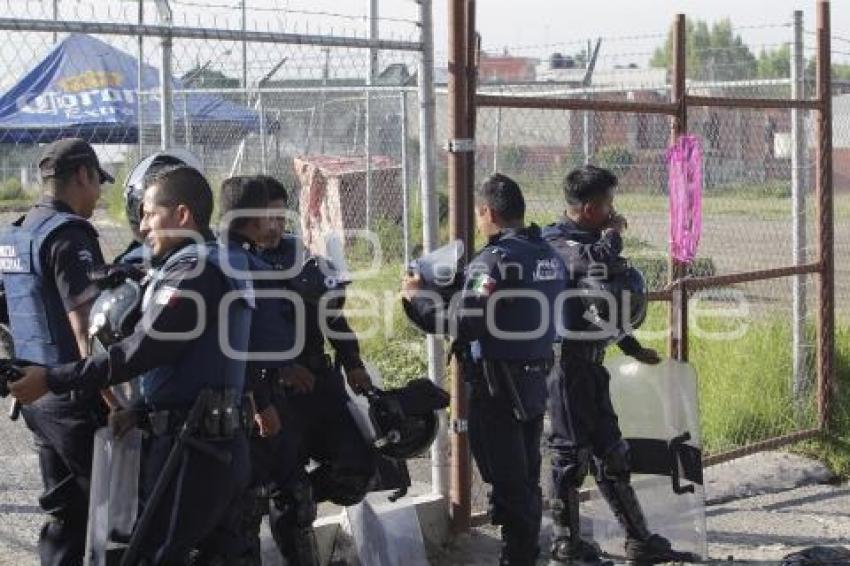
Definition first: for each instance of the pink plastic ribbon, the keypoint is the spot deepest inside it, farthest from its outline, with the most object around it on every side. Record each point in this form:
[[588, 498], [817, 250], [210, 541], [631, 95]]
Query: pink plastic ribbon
[[684, 178]]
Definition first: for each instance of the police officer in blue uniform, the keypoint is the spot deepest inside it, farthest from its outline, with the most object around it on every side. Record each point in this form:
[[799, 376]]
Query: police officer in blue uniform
[[311, 401], [246, 222], [585, 432], [46, 257], [178, 350], [517, 277]]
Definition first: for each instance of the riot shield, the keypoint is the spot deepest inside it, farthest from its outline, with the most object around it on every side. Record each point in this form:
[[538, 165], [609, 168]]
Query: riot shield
[[659, 416], [113, 502], [385, 535]]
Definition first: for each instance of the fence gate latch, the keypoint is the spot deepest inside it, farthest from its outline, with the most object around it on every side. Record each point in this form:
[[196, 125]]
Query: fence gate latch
[[461, 145]]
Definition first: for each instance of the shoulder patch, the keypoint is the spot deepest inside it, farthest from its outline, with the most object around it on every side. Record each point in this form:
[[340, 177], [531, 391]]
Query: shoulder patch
[[483, 285]]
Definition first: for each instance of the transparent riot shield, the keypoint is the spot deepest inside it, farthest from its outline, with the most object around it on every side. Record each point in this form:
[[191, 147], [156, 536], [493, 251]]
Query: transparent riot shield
[[113, 502], [659, 415], [386, 534]]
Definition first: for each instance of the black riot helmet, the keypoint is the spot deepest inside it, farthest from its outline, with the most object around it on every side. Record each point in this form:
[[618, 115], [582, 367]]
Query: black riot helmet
[[405, 420], [135, 184], [623, 288], [117, 308]]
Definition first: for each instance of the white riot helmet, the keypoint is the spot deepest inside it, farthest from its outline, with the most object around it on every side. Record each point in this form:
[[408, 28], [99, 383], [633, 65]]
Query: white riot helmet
[[134, 186]]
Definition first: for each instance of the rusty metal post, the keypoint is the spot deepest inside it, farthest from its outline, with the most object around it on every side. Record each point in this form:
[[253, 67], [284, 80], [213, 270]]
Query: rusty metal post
[[458, 99], [678, 342], [472, 54], [825, 236]]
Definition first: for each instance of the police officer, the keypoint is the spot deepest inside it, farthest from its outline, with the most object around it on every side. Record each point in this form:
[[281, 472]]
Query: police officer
[[178, 350], [585, 432], [312, 402], [516, 277], [47, 255], [246, 221]]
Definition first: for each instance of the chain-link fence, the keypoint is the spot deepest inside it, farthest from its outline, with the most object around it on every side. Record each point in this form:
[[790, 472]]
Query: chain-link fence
[[308, 99], [325, 100], [753, 343]]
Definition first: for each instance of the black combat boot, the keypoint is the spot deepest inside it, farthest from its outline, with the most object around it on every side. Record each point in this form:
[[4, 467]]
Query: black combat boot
[[642, 547], [567, 545]]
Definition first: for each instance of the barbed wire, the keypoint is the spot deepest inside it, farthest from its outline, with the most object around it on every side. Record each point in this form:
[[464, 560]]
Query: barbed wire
[[576, 42], [290, 11], [763, 26]]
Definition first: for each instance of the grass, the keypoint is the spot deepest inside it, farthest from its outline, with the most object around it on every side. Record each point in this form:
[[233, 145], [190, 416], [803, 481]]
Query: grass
[[834, 449], [387, 339], [545, 203], [744, 380]]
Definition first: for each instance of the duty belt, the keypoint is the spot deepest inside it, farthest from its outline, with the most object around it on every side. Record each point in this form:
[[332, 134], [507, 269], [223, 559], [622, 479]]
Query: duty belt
[[223, 417], [593, 352]]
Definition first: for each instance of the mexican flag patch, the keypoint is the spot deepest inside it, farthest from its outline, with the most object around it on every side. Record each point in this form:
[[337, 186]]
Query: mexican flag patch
[[483, 285]]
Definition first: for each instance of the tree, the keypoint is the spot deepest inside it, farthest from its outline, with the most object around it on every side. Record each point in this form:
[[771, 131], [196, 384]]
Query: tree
[[840, 71], [716, 53], [775, 64], [713, 52]]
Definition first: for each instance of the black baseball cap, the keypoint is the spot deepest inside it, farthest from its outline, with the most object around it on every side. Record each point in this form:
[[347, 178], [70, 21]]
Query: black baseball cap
[[67, 154]]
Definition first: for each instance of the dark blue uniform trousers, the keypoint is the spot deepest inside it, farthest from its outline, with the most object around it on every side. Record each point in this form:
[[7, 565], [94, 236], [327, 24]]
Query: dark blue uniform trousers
[[64, 438], [583, 421], [507, 453]]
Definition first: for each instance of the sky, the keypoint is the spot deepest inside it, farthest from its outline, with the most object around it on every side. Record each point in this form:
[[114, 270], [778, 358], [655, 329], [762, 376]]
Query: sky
[[530, 22], [518, 23], [630, 29]]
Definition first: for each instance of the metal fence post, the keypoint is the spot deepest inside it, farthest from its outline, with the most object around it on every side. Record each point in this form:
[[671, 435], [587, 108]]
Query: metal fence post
[[404, 179], [458, 101], [826, 284], [139, 78], [798, 214], [498, 144], [244, 44], [431, 227], [370, 78], [678, 342], [165, 86], [187, 123], [263, 159]]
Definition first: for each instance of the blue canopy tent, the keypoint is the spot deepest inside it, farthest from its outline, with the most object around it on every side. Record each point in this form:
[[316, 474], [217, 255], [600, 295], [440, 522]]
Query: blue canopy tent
[[88, 88]]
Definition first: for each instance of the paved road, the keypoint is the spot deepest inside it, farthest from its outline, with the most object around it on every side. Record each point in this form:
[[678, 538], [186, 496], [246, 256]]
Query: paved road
[[755, 530]]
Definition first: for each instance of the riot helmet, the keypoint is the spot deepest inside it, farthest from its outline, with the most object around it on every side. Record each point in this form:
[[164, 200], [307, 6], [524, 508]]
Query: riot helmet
[[405, 420], [117, 308], [135, 184]]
